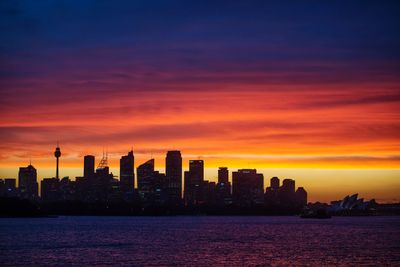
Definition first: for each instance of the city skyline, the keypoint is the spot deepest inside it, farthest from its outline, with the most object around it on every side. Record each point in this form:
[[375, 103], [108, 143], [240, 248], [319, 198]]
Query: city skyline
[[99, 190], [294, 90], [210, 174]]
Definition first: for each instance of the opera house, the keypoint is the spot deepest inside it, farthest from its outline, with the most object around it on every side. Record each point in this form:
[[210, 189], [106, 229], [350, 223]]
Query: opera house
[[351, 203]]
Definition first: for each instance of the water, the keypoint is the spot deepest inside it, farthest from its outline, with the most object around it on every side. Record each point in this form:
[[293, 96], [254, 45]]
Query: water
[[199, 241]]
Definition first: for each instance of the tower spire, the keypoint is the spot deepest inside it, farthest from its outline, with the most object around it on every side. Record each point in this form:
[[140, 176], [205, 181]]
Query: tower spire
[[57, 154]]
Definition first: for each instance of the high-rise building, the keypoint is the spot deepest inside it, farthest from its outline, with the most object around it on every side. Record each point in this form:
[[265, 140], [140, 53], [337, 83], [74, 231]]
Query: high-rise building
[[275, 183], [57, 154], [194, 179], [223, 187], [223, 175], [88, 166], [247, 187], [145, 173], [271, 197], [209, 193], [10, 187], [49, 189], [126, 172], [27, 182], [151, 185], [173, 173], [301, 197], [288, 186], [100, 187], [68, 189], [287, 195]]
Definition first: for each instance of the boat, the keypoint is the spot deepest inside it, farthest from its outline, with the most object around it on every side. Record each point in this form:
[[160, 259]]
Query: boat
[[315, 214]]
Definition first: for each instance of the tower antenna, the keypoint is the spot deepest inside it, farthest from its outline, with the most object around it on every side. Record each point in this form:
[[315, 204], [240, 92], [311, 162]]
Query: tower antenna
[[57, 154], [104, 161]]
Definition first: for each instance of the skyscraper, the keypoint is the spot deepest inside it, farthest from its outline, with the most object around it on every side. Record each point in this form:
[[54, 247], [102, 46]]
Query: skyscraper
[[27, 182], [57, 154], [126, 172], [301, 197], [49, 189], [150, 184], [194, 179], [274, 183], [288, 186], [223, 175], [8, 187], [271, 197], [247, 187], [173, 172], [223, 187], [88, 166], [287, 192], [101, 186]]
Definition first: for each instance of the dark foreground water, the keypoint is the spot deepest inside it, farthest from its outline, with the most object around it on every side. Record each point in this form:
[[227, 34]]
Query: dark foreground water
[[200, 241]]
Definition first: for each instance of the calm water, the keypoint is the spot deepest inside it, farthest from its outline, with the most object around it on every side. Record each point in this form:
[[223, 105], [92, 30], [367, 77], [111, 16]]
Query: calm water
[[200, 241]]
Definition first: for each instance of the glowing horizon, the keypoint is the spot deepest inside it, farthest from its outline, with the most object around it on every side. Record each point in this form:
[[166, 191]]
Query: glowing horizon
[[245, 86]]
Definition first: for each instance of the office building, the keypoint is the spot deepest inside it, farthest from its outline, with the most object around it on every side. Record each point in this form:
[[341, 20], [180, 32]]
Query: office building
[[301, 197], [151, 185], [27, 182], [88, 166], [126, 173], [275, 183], [223, 187], [194, 179], [247, 187], [173, 173], [50, 190]]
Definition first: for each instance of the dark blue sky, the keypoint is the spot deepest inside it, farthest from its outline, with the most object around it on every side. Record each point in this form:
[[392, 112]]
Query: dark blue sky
[[201, 33]]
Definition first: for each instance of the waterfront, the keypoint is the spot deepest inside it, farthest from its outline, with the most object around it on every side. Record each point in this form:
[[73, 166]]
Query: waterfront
[[199, 241]]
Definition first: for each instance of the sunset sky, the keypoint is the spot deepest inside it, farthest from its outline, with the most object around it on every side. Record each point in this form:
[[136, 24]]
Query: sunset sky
[[306, 90]]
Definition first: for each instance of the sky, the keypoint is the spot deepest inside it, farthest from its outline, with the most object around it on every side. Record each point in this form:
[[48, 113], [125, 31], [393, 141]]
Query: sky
[[308, 90]]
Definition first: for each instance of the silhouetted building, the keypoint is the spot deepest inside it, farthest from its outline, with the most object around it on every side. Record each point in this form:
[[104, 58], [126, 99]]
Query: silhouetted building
[[88, 166], [223, 175], [247, 187], [50, 190], [27, 182], [173, 173], [288, 186], [272, 193], [82, 188], [145, 173], [194, 179], [8, 187], [67, 189], [151, 185], [98, 188], [126, 173], [351, 205], [287, 195], [284, 199], [223, 187], [102, 184], [161, 190], [57, 154], [301, 197], [209, 193], [275, 183]]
